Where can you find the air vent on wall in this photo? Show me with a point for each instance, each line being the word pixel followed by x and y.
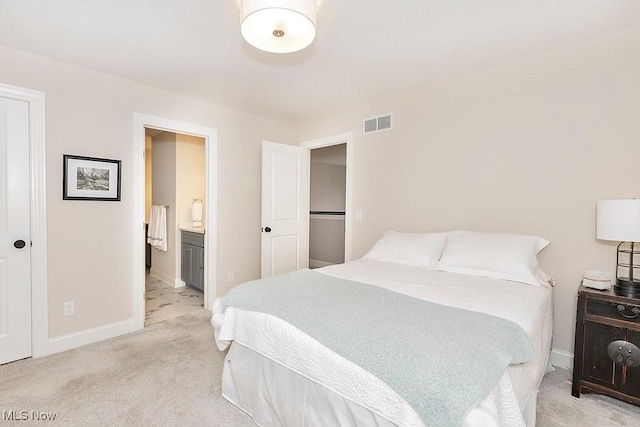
pixel 377 124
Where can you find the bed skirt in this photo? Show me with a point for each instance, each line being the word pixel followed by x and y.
pixel 274 395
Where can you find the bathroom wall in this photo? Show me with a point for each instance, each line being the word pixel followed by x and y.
pixel 163 192
pixel 190 176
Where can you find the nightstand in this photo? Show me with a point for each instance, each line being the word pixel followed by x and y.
pixel 607 347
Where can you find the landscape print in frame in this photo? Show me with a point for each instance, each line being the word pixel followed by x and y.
pixel 90 178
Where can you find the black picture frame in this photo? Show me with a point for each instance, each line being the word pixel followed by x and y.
pixel 90 178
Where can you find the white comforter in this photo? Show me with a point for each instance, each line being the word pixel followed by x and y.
pixel 528 306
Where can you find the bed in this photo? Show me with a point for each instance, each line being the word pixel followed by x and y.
pixel 285 373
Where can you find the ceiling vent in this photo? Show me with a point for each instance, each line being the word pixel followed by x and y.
pixel 378 124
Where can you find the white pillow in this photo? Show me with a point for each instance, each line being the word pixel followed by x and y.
pixel 416 249
pixel 511 257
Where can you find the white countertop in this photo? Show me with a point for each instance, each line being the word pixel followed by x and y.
pixel 193 229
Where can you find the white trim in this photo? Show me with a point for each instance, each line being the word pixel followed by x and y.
pixel 89 336
pixel 38 223
pixel 561 359
pixel 343 138
pixel 314 263
pixel 211 210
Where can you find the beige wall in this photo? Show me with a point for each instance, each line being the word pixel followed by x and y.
pixel 327 193
pixel 163 193
pixel 90 244
pixel 190 176
pixel 328 185
pixel 326 240
pixel 524 148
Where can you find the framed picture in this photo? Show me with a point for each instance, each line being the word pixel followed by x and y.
pixel 89 178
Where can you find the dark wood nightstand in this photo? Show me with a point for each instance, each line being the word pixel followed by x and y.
pixel 607 353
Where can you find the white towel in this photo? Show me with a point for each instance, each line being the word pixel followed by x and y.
pixel 196 213
pixel 157 234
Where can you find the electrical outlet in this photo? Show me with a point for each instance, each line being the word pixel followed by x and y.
pixel 230 276
pixel 69 308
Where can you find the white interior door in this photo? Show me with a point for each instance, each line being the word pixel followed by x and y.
pixel 15 240
pixel 285 208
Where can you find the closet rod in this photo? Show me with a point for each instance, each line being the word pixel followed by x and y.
pixel 326 212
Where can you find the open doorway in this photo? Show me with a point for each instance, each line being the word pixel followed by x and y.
pixel 330 198
pixel 208 255
pixel 327 205
pixel 175 178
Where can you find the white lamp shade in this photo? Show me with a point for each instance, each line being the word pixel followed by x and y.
pixel 279 26
pixel 618 220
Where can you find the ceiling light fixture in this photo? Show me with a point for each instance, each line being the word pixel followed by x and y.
pixel 279 26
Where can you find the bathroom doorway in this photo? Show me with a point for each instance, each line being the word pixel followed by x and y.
pixel 175 178
pixel 175 164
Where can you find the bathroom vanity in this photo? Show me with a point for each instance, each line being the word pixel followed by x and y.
pixel 192 249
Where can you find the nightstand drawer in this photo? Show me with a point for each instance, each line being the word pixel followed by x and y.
pixel 614 310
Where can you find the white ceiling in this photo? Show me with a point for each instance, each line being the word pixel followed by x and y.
pixel 365 49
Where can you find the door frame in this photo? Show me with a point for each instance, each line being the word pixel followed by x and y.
pixel 38 215
pixel 342 138
pixel 210 135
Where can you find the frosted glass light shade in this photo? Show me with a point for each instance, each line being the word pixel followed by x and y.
pixel 618 220
pixel 279 26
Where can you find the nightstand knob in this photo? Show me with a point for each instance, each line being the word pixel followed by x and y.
pixel 620 348
pixel 621 307
pixel 629 361
pixel 619 359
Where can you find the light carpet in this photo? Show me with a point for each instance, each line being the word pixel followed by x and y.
pixel 169 375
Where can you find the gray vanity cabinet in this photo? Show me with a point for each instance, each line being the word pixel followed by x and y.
pixel 193 259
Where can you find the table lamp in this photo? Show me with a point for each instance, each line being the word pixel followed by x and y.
pixel 619 220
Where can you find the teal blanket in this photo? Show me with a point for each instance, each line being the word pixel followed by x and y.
pixel 443 361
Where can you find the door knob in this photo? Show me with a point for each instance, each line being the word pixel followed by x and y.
pixel 19 244
pixel 267 230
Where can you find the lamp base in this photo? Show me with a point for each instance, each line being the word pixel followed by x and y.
pixel 627 288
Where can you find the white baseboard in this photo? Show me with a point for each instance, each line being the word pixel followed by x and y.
pixel 561 359
pixel 89 336
pixel 174 282
pixel 314 263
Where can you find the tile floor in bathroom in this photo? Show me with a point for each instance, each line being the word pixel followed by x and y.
pixel 165 302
